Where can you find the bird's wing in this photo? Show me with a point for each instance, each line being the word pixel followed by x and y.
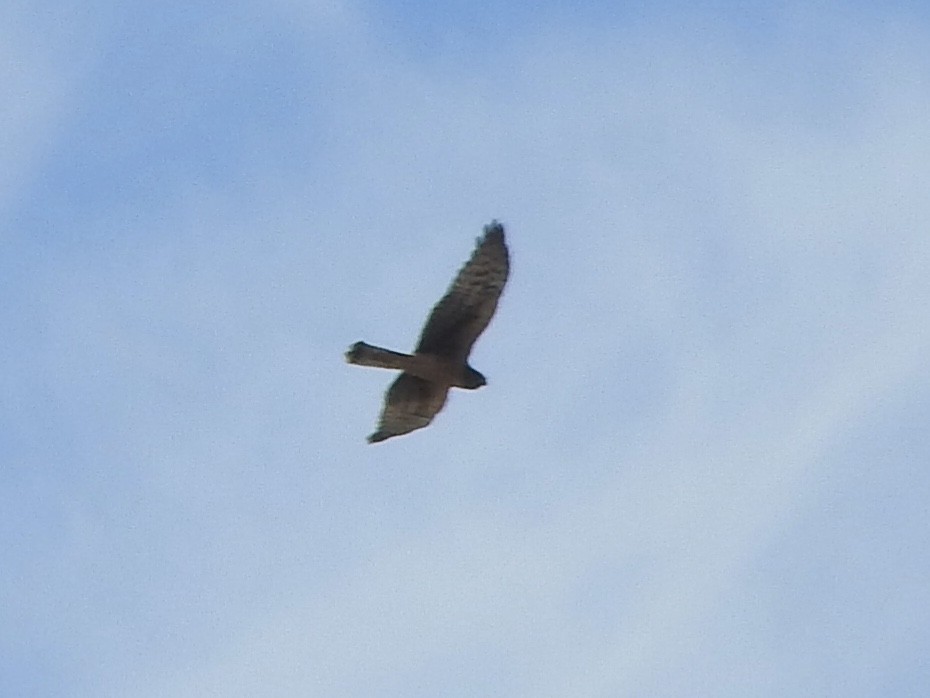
pixel 409 404
pixel 460 317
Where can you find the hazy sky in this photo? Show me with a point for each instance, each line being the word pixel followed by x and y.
pixel 701 466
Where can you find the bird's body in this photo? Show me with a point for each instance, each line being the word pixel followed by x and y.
pixel 429 367
pixel 440 360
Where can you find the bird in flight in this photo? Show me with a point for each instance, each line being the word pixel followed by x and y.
pixel 440 360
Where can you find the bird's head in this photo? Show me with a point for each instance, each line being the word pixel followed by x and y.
pixel 473 379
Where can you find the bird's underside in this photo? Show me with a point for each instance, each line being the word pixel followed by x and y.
pixel 440 360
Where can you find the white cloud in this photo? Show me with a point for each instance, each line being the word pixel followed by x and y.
pixel 42 64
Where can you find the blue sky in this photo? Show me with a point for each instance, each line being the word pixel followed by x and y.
pixel 700 464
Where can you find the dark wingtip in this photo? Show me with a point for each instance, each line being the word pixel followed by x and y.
pixel 494 229
pixel 378 436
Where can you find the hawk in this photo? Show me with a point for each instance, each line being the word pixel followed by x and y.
pixel 440 360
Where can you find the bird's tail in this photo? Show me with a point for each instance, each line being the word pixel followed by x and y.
pixel 368 355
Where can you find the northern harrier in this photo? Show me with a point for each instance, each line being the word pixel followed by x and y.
pixel 440 360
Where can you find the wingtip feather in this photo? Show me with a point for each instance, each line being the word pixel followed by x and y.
pixel 494 228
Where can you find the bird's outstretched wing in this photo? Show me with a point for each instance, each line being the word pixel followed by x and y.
pixel 409 404
pixel 460 317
